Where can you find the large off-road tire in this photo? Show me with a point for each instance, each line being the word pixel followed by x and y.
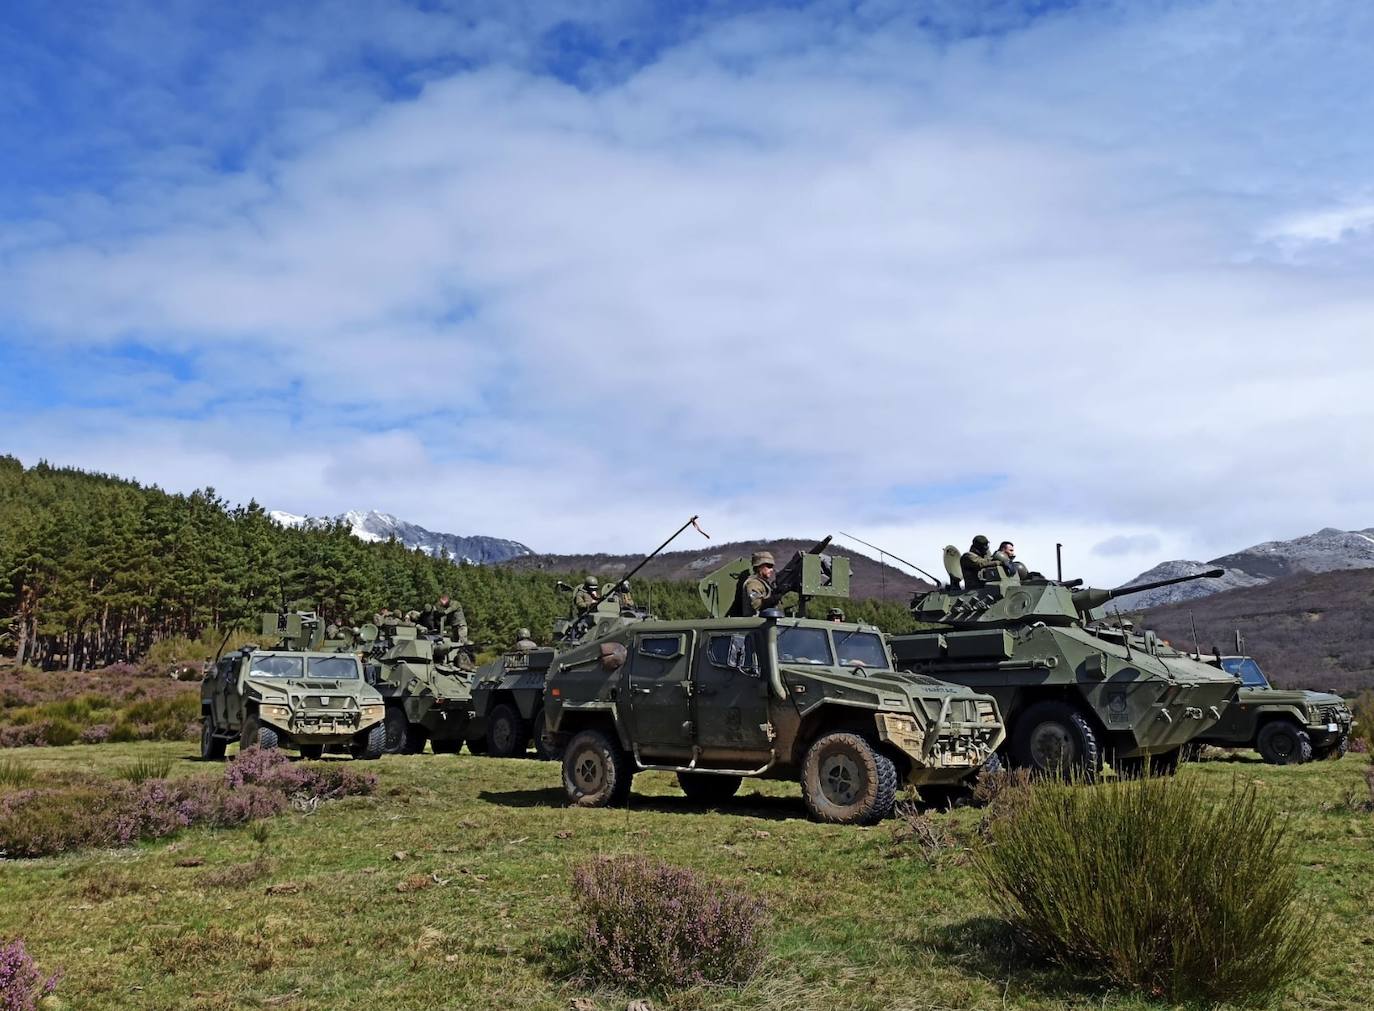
pixel 312 752
pixel 1055 739
pixel 708 788
pixel 846 780
pixel 544 748
pixel 211 747
pixel 368 744
pixel 256 734
pixel 1283 742
pixel 1332 751
pixel 395 725
pixel 596 770
pixel 508 733
pixel 446 746
pixel 1165 764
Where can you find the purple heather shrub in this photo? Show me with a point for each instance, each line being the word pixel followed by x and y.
pixel 271 768
pixel 22 985
pixel 651 924
pixel 98 733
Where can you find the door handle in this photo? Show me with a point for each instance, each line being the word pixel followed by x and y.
pixel 644 691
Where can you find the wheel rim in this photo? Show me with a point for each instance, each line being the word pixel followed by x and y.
pixel 502 735
pixel 841 780
pixel 1053 747
pixel 589 771
pixel 1283 745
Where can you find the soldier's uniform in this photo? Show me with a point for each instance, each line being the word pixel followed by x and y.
pixel 755 591
pixel 1010 567
pixel 450 619
pixel 974 560
pixel 586 596
pixel 523 642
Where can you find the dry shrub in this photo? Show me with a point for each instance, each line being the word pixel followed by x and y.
pixel 649 924
pixel 112 886
pixel 237 875
pixel 918 828
pixel 1152 885
pixel 22 984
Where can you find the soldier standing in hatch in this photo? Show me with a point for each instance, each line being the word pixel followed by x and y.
pixel 523 642
pixel 834 614
pixel 1006 557
pixel 757 591
pixel 974 560
pixel 587 596
pixel 451 619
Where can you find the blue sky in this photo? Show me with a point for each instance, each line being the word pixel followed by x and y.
pixel 1085 272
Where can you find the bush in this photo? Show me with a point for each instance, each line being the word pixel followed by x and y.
pixel 13 773
pixel 22 985
pixel 1148 884
pixel 144 769
pixel 653 925
pixel 271 768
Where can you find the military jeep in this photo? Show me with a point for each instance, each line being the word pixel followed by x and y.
pixel 280 697
pixel 1285 727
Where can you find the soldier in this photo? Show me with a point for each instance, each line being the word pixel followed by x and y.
pixel 382 617
pixel 974 560
pixel 450 619
pixel 523 642
pixel 757 591
pixel 621 595
pixel 1006 557
pixel 834 614
pixel 588 595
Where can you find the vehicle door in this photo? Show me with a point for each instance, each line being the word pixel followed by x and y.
pixel 731 692
pixel 660 702
pixel 227 699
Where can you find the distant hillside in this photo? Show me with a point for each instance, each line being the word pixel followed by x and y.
pixel 1306 631
pixel 870 578
pixel 374 526
pixel 1327 550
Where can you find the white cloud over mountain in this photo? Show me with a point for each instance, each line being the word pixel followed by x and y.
pixel 794 271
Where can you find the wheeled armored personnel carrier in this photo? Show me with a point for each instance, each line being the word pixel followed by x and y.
pixel 284 696
pixel 1287 727
pixel 1073 693
pixel 427 692
pixel 719 699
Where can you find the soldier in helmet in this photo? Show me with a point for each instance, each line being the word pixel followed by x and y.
pixel 523 642
pixel 450 620
pixel 757 591
pixel 834 614
pixel 974 560
pixel 621 595
pixel 588 595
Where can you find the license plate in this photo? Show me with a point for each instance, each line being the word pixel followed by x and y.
pixel 1332 727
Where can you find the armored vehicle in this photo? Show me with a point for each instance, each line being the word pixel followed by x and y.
pixel 1072 692
pixel 508 692
pixel 719 699
pixel 1287 727
pixel 285 696
pixel 427 692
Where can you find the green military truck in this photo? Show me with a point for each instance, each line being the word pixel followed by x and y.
pixel 283 697
pixel 1074 692
pixel 1287 727
pixel 719 699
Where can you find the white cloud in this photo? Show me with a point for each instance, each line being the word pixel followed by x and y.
pixel 771 277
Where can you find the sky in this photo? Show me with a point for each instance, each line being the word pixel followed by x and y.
pixel 1096 273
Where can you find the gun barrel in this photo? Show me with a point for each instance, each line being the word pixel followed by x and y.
pixel 1090 597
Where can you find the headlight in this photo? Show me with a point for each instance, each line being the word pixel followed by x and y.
pixel 373 712
pixel 282 713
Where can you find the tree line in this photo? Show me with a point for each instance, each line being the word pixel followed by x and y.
pixel 95 569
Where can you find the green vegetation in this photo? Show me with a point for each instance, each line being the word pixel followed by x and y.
pixel 1154 884
pixel 57 708
pixel 451 886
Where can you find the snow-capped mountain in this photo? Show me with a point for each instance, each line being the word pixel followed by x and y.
pixel 1325 551
pixel 378 526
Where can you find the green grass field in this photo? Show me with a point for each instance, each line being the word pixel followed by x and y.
pixel 450 889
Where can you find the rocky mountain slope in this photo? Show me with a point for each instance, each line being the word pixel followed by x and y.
pixel 379 526
pixel 1327 550
pixel 870 579
pixel 1310 630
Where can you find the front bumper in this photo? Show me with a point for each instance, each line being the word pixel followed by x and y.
pixel 322 726
pixel 950 749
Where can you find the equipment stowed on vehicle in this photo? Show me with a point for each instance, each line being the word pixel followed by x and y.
pixel 1073 690
pixel 291 695
pixel 720 699
pixel 427 692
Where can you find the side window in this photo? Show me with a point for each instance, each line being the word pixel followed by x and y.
pixel 718 652
pixel 664 647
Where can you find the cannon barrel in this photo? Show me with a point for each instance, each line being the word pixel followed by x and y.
pixel 1090 597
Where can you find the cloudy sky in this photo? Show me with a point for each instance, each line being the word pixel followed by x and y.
pixel 1093 272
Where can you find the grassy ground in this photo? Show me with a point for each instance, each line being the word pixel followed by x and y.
pixel 449 889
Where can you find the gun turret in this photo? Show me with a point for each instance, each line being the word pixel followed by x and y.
pixel 1088 598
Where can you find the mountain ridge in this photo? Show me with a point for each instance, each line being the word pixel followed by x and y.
pixel 372 525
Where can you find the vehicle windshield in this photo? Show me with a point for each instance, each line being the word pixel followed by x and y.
pixel 276 665
pixel 1248 671
pixel 860 649
pixel 336 667
pixel 805 645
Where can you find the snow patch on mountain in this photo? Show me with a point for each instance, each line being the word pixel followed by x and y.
pixel 1327 550
pixel 374 526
